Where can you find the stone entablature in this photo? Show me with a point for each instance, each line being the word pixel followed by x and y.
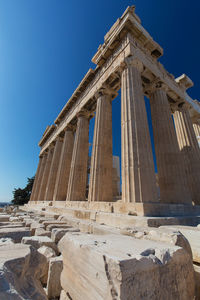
pixel 126 60
pixel 126 38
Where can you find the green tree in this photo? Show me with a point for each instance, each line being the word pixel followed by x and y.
pixel 22 196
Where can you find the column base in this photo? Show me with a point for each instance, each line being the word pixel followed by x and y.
pixel 120 215
pixel 119 207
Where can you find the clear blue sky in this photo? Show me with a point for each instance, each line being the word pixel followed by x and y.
pixel 46 48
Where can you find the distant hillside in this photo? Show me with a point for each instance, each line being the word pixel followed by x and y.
pixel 2 204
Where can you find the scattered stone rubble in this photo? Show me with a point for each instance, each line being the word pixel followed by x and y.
pixel 87 260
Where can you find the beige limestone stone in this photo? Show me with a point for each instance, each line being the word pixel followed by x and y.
pixel 197 280
pixel 189 148
pixel 42 232
pixel 117 268
pixel 16 234
pixel 171 176
pixel 53 170
pixel 45 175
pixel 58 233
pixel 47 252
pixel 4 218
pixel 63 295
pixel 21 268
pixel 61 225
pixel 41 220
pixel 101 179
pixel 53 282
pixel 138 175
pixel 165 235
pixel 6 241
pixel 60 191
pixel 78 172
pixel 12 225
pixel 13 219
pixel 193 237
pixel 46 223
pixel 35 225
pixel 39 241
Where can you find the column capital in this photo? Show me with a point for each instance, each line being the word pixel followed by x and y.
pixel 181 107
pixel 105 90
pixel 70 127
pixel 51 146
pixel 59 138
pixel 83 113
pixel 133 62
pixel 156 85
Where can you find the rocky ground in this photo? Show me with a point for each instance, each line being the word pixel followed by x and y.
pixel 51 256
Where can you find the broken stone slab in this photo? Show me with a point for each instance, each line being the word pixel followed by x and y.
pixel 46 223
pixel 12 225
pixel 192 234
pixel 6 241
pixel 197 280
pixel 122 267
pixel 58 233
pixel 42 232
pixel 21 267
pixel 70 221
pixel 14 219
pixel 43 219
pixel 28 222
pixel 34 226
pixel 63 295
pixel 15 233
pixel 52 226
pixel 4 218
pixel 39 241
pixel 53 282
pixel 48 254
pixel 166 235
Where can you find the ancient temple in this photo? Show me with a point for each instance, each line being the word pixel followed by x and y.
pixel 127 60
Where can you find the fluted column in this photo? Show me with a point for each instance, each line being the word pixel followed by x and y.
pixel 100 188
pixel 189 148
pixel 45 174
pixel 197 132
pixel 37 175
pixel 171 175
pixel 138 175
pixel 53 170
pixel 78 171
pixel 37 190
pixel 60 191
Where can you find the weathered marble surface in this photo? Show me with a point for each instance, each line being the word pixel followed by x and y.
pixel 21 268
pixel 53 282
pixel 124 268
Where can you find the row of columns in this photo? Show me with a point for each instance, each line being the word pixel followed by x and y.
pixel 62 171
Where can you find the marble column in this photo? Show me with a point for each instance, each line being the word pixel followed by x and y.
pixel 197 131
pixel 100 187
pixel 45 175
pixel 53 170
pixel 171 175
pixel 60 191
pixel 32 198
pixel 189 148
pixel 78 171
pixel 37 190
pixel 138 175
